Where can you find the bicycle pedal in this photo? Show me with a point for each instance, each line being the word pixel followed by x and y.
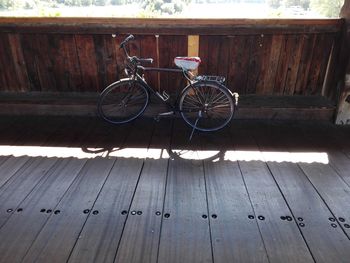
pixel 163 96
pixel 166 96
pixel 168 113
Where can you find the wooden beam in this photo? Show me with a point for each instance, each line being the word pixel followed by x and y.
pixel 169 26
pixel 250 106
pixel 343 114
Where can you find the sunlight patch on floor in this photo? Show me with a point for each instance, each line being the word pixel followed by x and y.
pixel 292 157
pixel 154 153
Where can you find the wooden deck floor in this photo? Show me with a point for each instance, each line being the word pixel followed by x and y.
pixel 79 190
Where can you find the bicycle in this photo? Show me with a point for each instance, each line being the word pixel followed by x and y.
pixel 205 104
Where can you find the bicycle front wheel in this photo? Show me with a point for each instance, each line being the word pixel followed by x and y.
pixel 206 106
pixel 123 101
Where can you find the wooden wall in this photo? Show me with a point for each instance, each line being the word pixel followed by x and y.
pixel 267 57
pixel 278 64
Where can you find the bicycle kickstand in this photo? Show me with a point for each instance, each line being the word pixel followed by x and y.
pixel 195 125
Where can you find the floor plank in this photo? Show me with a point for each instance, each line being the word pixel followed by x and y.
pixel 99 244
pixel 9 166
pixel 204 194
pixel 236 238
pixel 47 194
pixel 330 185
pixel 15 128
pixel 59 234
pixel 140 240
pixel 185 234
pixel 308 209
pixel 269 205
pixel 21 184
pixel 330 139
pixel 22 228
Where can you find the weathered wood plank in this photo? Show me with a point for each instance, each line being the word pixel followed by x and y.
pixel 23 227
pixel 57 64
pixel 9 167
pixel 149 50
pixel 8 67
pixel 239 50
pixel 282 69
pixel 59 234
pixel 255 62
pixel 8 129
pixel 328 182
pixel 106 49
pixel 30 54
pixel 325 62
pixel 21 184
pixel 88 63
pixel 100 244
pixel 203 54
pixel 308 209
pixel 217 56
pixel 331 187
pixel 337 146
pixel 269 205
pixel 316 65
pixel 19 62
pixel 98 241
pixel 185 234
pixel 169 26
pixel 330 82
pixel 235 237
pixel 3 81
pixel 268 64
pixel 45 65
pixel 343 68
pixel 169 48
pixel 295 48
pixel 36 132
pixel 72 136
pixel 140 240
pixel 309 42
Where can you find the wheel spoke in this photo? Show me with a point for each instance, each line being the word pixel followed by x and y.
pixel 213 101
pixel 123 102
pixel 192 102
pixel 222 97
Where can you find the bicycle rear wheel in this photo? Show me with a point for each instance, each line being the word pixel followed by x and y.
pixel 206 106
pixel 123 101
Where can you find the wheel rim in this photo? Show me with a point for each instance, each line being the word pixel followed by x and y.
pixel 207 107
pixel 123 102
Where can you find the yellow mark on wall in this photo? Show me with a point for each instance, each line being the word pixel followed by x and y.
pixel 193 48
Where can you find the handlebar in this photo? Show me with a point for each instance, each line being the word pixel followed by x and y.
pixel 133 59
pixel 126 40
pixel 145 60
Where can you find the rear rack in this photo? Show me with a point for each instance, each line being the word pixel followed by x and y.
pixel 219 79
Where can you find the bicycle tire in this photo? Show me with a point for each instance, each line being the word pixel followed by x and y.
pixel 206 106
pixel 123 101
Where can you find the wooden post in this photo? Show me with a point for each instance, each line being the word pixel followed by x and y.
pixel 193 48
pixel 343 115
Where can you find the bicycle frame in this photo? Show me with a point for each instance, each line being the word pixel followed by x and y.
pixel 133 64
pixel 137 76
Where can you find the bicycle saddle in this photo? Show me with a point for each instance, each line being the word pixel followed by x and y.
pixel 187 63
